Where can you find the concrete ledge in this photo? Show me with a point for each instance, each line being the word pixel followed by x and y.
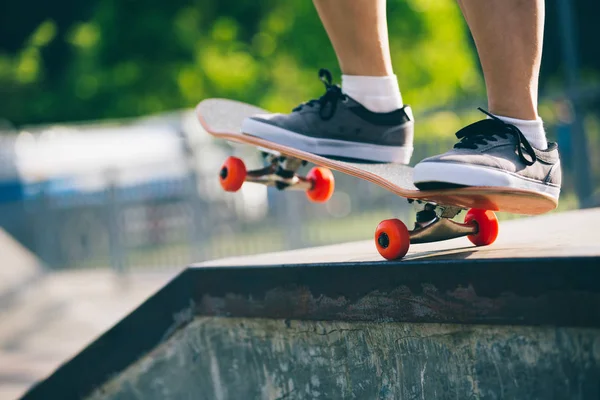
pixel 547 304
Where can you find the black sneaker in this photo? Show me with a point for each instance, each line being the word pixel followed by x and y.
pixel 337 126
pixel 492 152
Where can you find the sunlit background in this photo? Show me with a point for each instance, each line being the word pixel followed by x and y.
pixel 105 171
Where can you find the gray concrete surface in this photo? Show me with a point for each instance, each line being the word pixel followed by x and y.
pixel 231 358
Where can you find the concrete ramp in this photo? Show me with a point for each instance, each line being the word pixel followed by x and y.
pixel 237 358
pixel 520 319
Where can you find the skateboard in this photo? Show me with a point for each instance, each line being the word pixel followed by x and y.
pixel 223 118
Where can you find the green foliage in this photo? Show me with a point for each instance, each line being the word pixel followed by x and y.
pixel 132 58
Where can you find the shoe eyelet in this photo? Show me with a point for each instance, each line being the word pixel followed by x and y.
pixel 345 99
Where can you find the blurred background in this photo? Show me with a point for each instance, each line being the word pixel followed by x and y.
pixel 108 186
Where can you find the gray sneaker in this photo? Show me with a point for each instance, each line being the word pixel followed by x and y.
pixel 337 126
pixel 492 153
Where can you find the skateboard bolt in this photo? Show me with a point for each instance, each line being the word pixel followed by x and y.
pixel 223 173
pixel 383 240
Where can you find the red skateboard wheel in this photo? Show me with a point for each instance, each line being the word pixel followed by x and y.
pixel 323 184
pixel 233 174
pixel 487 223
pixel 392 239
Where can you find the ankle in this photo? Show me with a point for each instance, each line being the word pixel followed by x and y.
pixel 532 129
pixel 526 111
pixel 376 93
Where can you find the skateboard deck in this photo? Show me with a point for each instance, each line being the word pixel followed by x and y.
pixel 223 118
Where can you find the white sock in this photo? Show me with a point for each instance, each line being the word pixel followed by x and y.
pixel 379 94
pixel 533 130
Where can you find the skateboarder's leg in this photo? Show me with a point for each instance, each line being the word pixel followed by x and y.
pixel 365 119
pixel 360 51
pixel 508 149
pixel 358 32
pixel 509 35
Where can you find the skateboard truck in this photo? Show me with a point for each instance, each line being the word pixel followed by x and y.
pixel 434 223
pixel 431 227
pixel 281 173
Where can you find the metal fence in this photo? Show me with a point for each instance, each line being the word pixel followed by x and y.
pixel 176 225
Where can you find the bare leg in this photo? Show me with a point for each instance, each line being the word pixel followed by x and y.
pixel 508 35
pixel 365 118
pixel 358 31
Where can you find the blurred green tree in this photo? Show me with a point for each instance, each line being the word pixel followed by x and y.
pixel 128 58
pixel 106 59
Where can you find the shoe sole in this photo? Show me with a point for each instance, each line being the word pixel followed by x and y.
pixel 476 175
pixel 327 147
